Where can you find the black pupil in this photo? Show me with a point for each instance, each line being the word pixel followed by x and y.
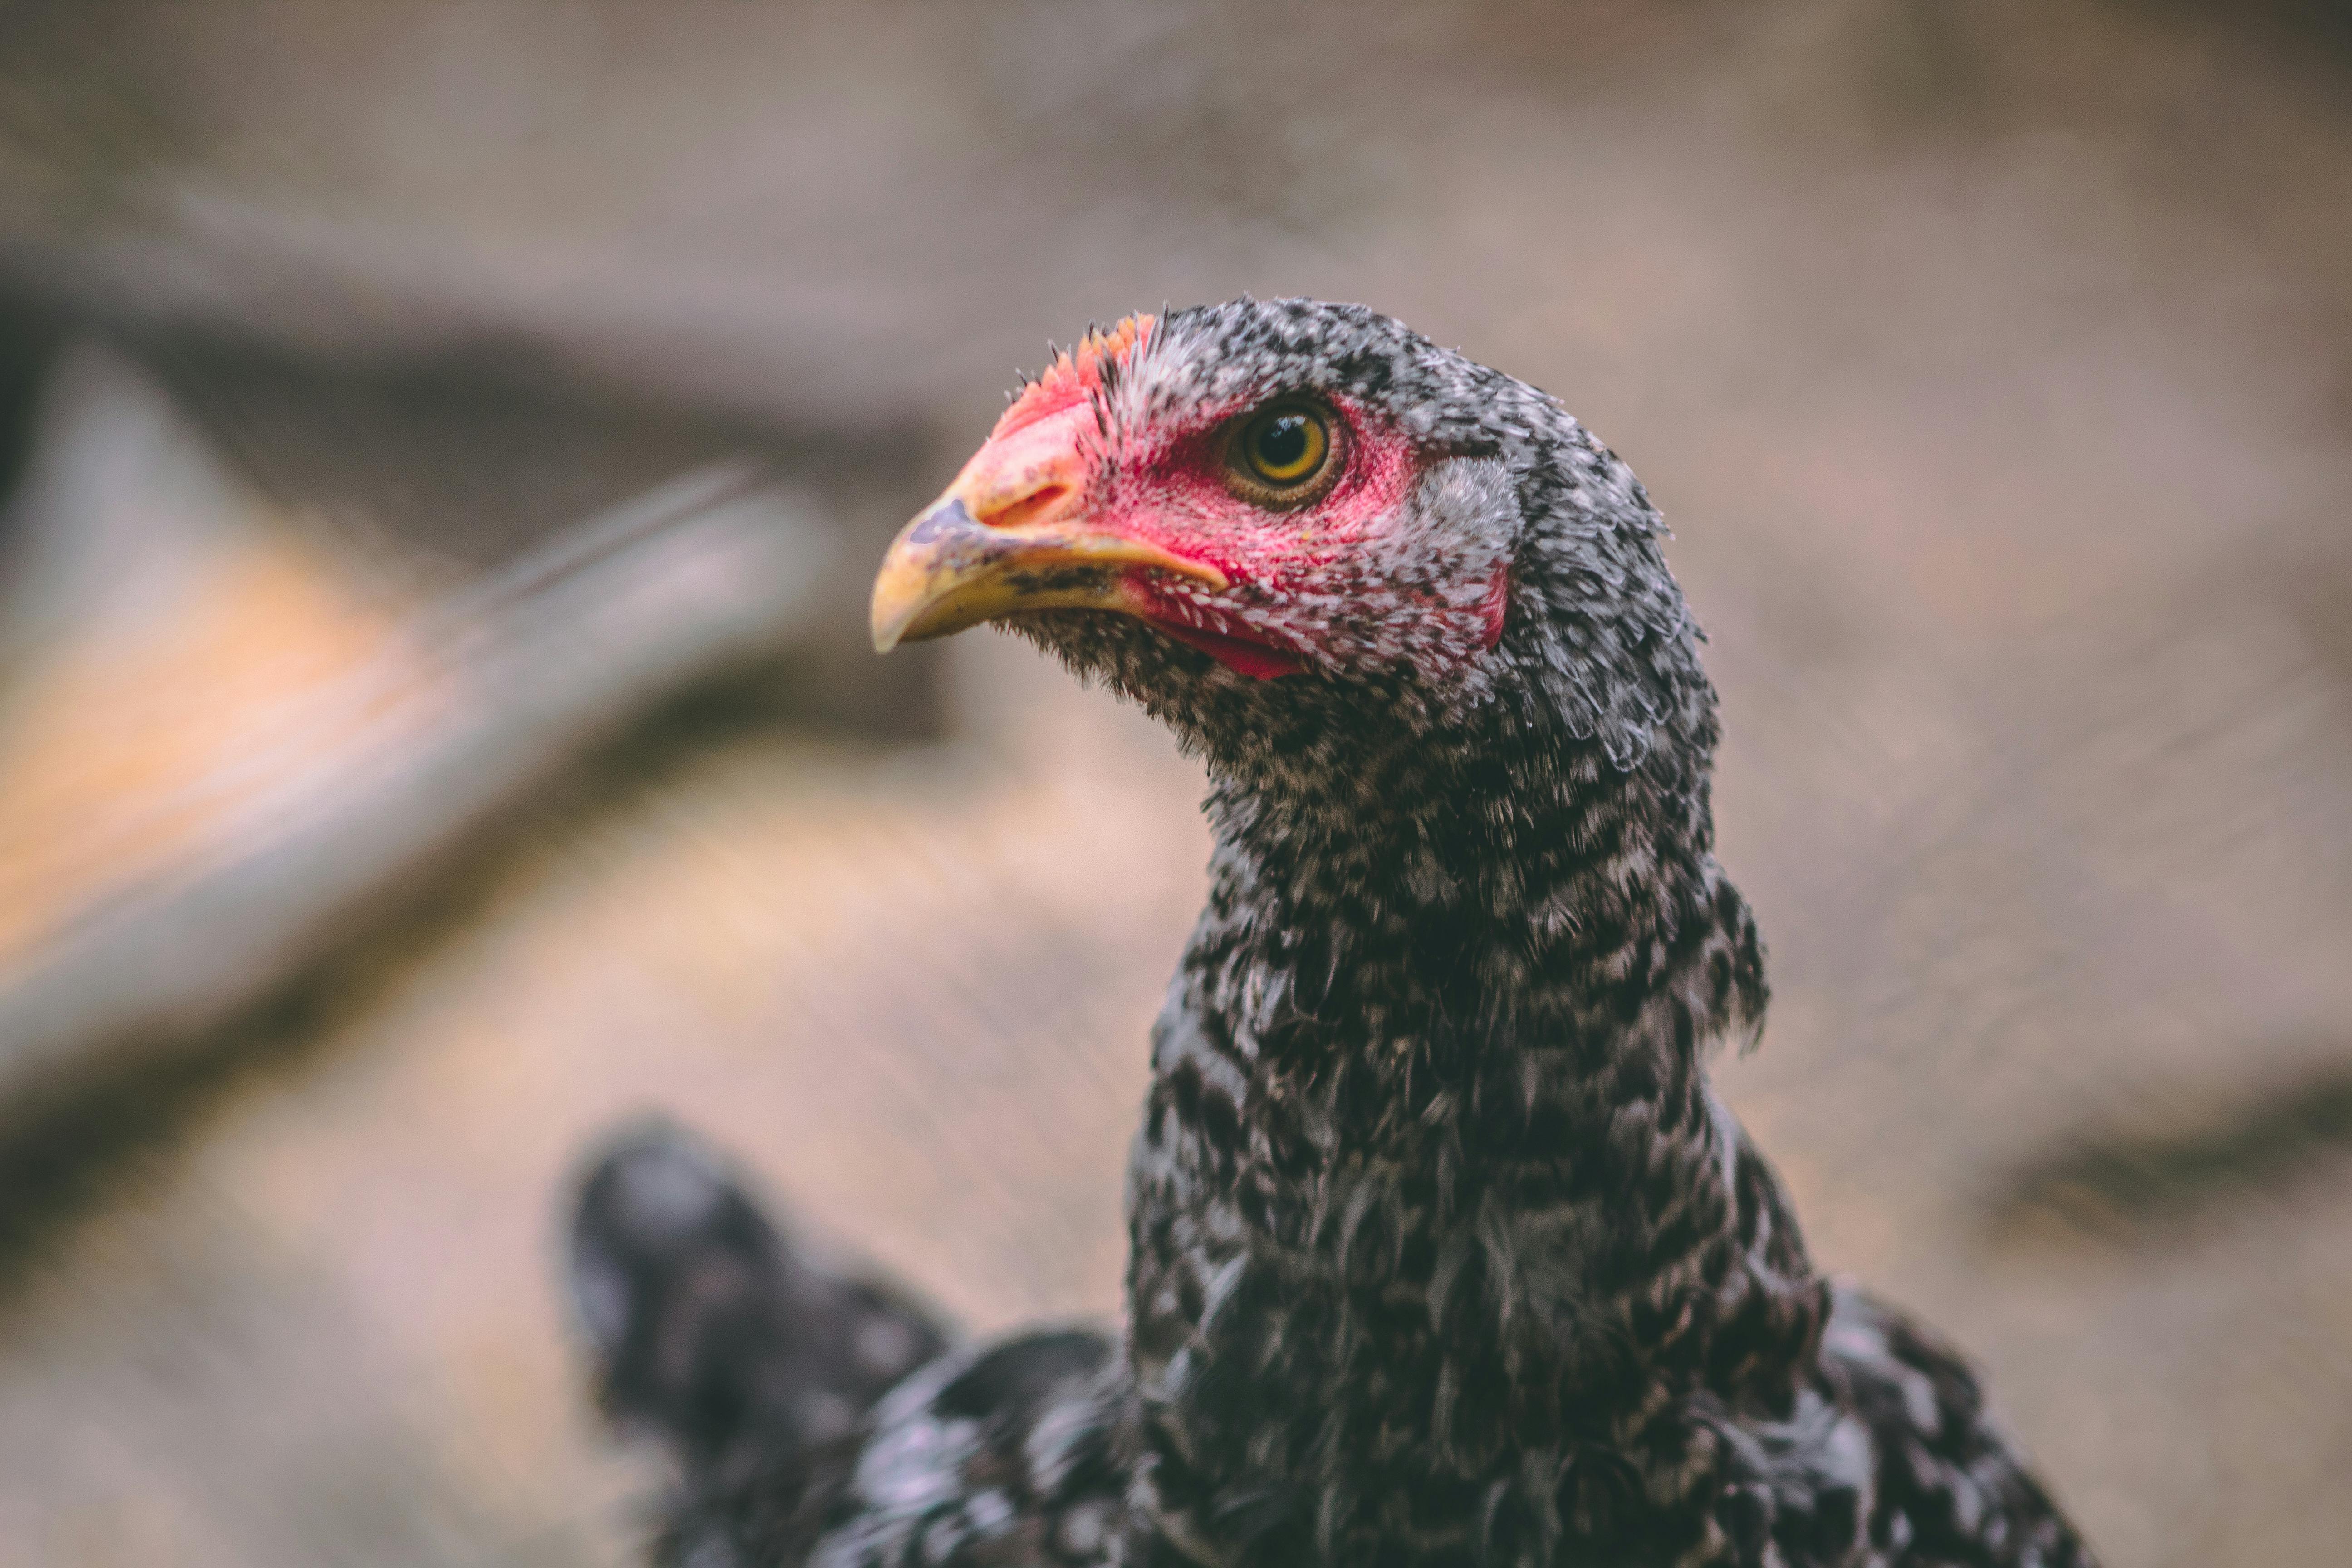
pixel 1283 442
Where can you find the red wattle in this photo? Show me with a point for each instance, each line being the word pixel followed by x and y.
pixel 1255 659
pixel 1497 605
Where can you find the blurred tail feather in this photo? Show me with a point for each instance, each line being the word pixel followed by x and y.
pixel 709 1328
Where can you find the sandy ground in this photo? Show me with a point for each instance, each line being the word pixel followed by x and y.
pixel 1990 366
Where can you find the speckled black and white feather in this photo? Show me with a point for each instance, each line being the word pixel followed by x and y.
pixel 1443 1249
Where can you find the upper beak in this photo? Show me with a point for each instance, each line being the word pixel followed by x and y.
pixel 1007 536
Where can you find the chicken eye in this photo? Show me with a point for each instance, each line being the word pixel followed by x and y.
pixel 1285 450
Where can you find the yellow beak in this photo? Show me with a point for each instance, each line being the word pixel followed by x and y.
pixel 1007 537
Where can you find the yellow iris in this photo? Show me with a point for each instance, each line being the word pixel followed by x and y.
pixel 1286 448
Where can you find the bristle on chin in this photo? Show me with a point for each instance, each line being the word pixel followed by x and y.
pixel 1075 373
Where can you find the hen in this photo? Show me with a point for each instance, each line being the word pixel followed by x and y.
pixel 1443 1251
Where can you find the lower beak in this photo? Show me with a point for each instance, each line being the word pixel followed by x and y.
pixel 948 570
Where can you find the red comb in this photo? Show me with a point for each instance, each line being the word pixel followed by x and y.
pixel 1076 372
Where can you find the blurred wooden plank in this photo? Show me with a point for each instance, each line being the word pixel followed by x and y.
pixel 482 698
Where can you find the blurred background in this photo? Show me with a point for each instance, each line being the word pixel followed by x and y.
pixel 444 448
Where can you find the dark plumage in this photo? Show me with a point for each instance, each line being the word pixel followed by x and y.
pixel 709 1329
pixel 1444 1250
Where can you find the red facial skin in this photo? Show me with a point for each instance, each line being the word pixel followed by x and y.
pixel 1172 486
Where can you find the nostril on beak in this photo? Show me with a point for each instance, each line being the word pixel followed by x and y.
pixel 1037 503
